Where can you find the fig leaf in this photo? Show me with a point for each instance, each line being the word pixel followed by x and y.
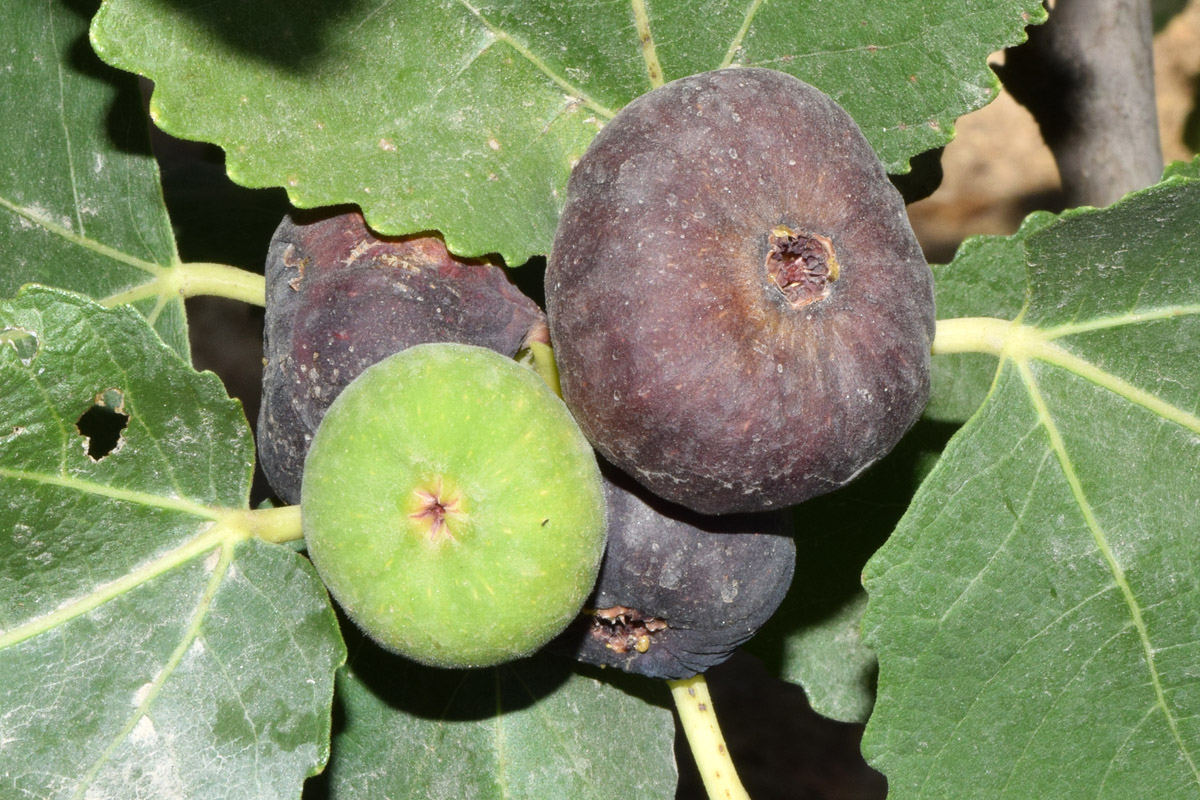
pixel 532 729
pixel 467 117
pixel 1040 591
pixel 985 279
pixel 150 645
pixel 80 203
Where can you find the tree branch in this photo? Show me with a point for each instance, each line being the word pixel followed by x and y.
pixel 1087 76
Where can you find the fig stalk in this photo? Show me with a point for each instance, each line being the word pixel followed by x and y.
pixel 698 718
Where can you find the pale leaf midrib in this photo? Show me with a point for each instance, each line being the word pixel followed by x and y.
pixel 102 594
pixel 564 84
pixel 1119 320
pixel 66 128
pixel 740 36
pixel 1058 445
pixel 133 496
pixel 168 669
pixel 1060 357
pixel 1021 342
pixel 82 241
pixel 641 21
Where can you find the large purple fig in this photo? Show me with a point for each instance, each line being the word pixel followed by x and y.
pixel 740 312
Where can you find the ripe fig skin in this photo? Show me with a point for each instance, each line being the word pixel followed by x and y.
pixel 695 586
pixel 683 362
pixel 341 298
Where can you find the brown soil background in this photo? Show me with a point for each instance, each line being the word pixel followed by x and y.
pixel 996 171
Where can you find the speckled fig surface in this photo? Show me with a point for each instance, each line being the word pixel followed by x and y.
pixel 453 507
pixel 740 311
pixel 679 591
pixel 340 298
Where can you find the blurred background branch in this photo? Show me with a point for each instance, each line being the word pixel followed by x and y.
pixel 1087 76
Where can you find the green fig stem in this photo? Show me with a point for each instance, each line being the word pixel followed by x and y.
pixel 973 335
pixel 699 721
pixel 276 525
pixel 221 280
pixel 543 364
pixel 194 279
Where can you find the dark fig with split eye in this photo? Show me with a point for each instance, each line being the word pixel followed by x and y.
pixel 741 314
pixel 340 298
pixel 678 591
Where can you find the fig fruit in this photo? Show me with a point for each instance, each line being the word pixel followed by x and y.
pixel 678 591
pixel 340 298
pixel 452 506
pixel 740 311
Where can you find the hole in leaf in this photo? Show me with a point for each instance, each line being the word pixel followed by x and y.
pixel 102 424
pixel 23 342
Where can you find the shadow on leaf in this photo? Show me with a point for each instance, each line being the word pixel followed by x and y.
pixel 294 37
pixel 835 535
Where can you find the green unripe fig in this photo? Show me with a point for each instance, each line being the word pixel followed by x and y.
pixel 453 507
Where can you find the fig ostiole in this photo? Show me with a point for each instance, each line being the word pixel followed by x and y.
pixel 452 506
pixel 679 591
pixel 740 311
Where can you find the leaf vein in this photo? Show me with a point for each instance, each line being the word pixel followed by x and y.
pixel 1125 746
pixel 1101 539
pixel 538 63
pixel 1060 357
pixel 641 21
pixel 738 38
pixel 102 594
pixel 173 661
pixel 66 128
pixel 1013 530
pixel 999 670
pixel 1075 676
pixel 134 496
pixel 80 240
pixel 1120 320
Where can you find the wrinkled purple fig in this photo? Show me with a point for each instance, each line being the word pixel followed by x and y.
pixel 340 298
pixel 740 312
pixel 678 591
